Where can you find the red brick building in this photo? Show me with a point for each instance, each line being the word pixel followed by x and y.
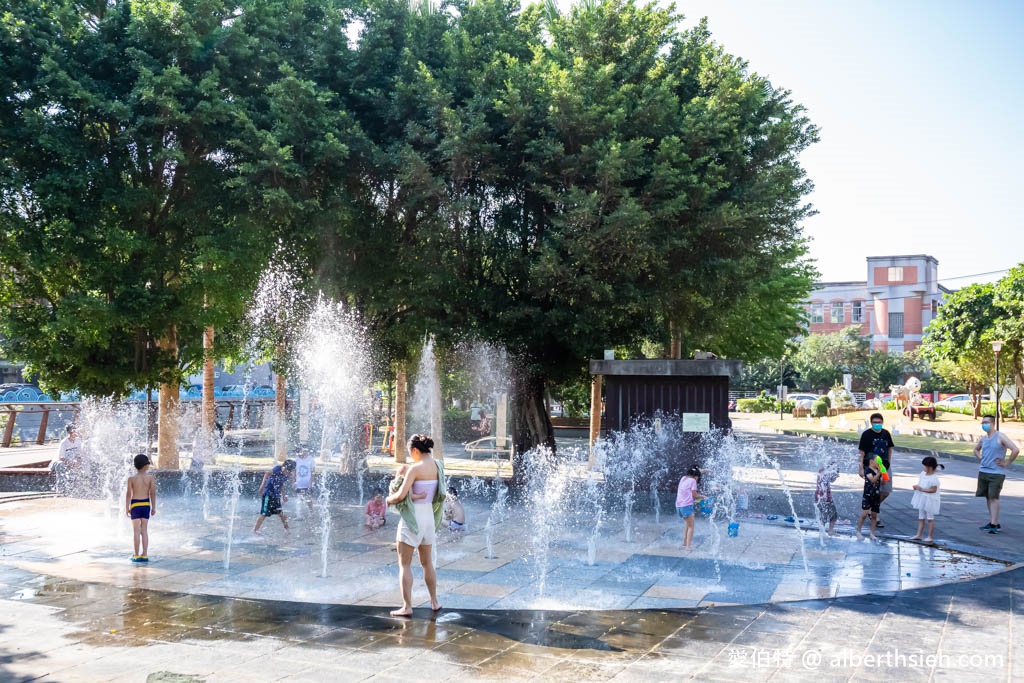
pixel 893 306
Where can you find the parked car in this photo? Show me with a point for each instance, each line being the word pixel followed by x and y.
pixel 556 410
pixel 802 397
pixel 956 401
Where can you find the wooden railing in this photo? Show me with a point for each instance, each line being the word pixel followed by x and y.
pixel 13 410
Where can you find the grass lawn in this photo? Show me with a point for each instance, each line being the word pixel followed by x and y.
pixel 854 423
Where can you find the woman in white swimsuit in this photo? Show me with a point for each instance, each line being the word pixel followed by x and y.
pixel 420 486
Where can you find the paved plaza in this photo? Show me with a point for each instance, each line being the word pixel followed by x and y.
pixel 73 608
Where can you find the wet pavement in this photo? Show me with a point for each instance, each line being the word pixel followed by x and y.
pixel 65 630
pixel 122 629
pixel 766 561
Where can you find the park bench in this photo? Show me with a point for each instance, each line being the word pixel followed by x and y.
pixel 488 446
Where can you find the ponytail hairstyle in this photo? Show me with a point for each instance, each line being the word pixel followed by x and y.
pixel 421 442
pixel 930 461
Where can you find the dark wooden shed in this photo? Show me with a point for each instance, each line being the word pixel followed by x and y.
pixel 638 389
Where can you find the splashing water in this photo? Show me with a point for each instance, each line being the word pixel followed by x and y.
pixel 234 490
pixel 324 508
pixel 495 515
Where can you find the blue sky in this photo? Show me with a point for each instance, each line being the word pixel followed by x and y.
pixel 920 107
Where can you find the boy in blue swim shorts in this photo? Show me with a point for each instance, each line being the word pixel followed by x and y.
pixel 140 505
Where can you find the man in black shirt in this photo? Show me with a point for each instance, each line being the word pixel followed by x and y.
pixel 876 442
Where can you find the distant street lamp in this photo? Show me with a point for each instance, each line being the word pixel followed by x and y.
pixel 997 347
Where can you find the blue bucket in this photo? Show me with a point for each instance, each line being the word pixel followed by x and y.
pixel 734 529
pixel 707 505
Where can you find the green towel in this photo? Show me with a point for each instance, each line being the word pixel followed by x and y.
pixel 404 506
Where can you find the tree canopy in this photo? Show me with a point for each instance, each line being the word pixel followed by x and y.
pixel 553 183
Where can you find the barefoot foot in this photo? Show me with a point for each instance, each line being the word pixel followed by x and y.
pixel 436 606
pixel 401 612
pixel 929 540
pixel 916 538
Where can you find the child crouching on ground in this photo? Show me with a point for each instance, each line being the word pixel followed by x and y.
pixel 375 511
pixel 454 513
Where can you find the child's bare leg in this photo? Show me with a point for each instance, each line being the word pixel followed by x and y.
pixel 832 528
pixel 920 530
pixel 931 530
pixel 860 523
pixel 144 533
pixel 284 520
pixel 874 523
pixel 259 523
pixel 136 535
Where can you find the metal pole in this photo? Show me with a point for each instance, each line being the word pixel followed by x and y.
pixel 149 421
pixel 997 391
pixel 780 382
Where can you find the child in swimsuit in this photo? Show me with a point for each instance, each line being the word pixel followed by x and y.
pixel 140 505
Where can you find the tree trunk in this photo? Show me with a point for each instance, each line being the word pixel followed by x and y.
pixel 401 386
pixel 280 418
pixel 675 350
pixel 595 416
pixel 167 416
pixel 209 417
pixel 531 425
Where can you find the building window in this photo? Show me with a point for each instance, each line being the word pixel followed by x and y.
pixel 896 274
pixel 935 308
pixel 895 326
pixel 817 313
pixel 836 314
pixel 857 312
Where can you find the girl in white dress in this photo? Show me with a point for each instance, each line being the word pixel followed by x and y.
pixel 926 498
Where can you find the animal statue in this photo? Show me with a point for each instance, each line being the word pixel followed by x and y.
pixel 900 394
pixel 908 394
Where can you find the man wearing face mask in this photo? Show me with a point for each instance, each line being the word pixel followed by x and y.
pixel 991 449
pixel 876 442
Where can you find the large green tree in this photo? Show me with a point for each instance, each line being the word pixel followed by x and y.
pixel 823 359
pixel 554 183
pixel 120 234
pixel 958 341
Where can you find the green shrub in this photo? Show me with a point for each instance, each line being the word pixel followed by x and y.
pixel 458 426
pixel 827 400
pixel 890 405
pixel 820 407
pixel 748 405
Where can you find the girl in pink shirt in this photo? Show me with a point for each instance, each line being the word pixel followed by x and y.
pixel 686 496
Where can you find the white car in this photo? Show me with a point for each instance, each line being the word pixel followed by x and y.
pixel 802 397
pixel 956 401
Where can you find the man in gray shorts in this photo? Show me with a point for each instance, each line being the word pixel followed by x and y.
pixel 991 449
